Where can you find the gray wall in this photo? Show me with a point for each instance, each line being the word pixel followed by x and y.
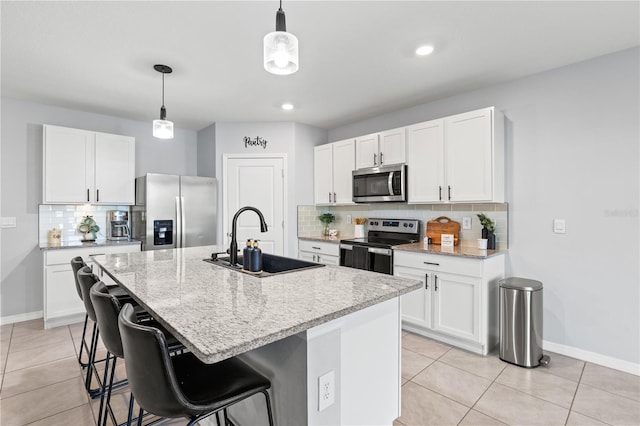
pixel 294 140
pixel 21 185
pixel 207 151
pixel 572 153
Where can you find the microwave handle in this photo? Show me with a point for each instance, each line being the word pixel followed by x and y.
pixel 390 183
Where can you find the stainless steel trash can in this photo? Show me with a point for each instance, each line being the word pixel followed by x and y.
pixel 521 322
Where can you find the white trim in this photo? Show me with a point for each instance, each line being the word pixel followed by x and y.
pixel 12 319
pixel 593 357
pixel 285 189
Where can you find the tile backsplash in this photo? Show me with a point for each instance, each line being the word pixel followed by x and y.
pixel 68 217
pixel 310 225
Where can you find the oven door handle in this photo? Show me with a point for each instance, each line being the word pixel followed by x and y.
pixel 382 251
pixel 346 247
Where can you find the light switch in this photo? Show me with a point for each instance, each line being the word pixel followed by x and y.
pixel 8 222
pixel 348 219
pixel 559 226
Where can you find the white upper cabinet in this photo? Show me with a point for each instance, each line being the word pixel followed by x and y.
pixel 80 166
pixel 115 169
pixel 393 146
pixel 425 165
pixel 379 149
pixel 367 151
pixel 470 162
pixel 333 164
pixel 457 159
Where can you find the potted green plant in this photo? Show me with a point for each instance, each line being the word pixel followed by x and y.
pixel 326 218
pixel 488 230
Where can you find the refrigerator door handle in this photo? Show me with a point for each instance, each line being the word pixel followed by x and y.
pixel 178 224
pixel 183 225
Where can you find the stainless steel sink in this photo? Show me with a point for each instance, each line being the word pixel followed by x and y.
pixel 271 265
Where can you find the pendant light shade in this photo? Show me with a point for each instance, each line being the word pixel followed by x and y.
pixel 163 128
pixel 281 48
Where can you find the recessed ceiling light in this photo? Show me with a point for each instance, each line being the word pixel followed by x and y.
pixel 287 107
pixel 424 50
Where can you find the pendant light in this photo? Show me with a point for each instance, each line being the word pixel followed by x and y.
pixel 163 129
pixel 280 48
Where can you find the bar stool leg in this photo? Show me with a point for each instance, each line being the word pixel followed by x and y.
pixel 83 343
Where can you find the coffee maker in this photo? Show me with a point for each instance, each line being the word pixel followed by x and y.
pixel 118 225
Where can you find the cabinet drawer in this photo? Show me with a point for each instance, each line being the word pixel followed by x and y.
pixel 64 256
pixel 439 263
pixel 332 249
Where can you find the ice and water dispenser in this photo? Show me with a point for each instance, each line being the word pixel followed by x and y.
pixel 163 232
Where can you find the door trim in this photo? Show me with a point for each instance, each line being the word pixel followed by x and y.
pixel 285 188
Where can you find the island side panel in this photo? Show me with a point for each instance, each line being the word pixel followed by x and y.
pixel 367 370
pixel 284 362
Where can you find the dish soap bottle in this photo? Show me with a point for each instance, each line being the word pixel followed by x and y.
pixel 247 255
pixel 256 260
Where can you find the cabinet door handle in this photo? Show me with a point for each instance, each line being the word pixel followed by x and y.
pixel 449 192
pixel 436 282
pixel 97 195
pixel 431 263
pixel 316 248
pixel 88 195
pixel 381 159
pixel 426 281
pixel 375 159
pixel 314 257
pixel 440 192
pixel 334 197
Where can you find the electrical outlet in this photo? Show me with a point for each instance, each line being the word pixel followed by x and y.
pixel 326 390
pixel 466 222
pixel 348 219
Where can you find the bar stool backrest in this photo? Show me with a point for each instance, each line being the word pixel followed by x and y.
pixel 149 368
pixel 76 264
pixel 107 308
pixel 86 280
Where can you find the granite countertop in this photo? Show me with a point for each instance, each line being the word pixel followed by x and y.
pixel 218 313
pixel 460 251
pixel 335 240
pixel 80 244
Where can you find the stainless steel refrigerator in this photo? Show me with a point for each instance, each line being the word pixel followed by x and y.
pixel 175 211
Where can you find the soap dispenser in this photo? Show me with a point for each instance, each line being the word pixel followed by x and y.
pixel 256 260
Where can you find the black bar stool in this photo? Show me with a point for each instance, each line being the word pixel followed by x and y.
pixel 107 307
pixel 182 385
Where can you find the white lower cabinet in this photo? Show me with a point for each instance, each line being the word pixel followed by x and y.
pixel 320 252
pixel 62 305
pixel 458 303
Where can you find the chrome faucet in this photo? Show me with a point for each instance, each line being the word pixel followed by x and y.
pixel 233 248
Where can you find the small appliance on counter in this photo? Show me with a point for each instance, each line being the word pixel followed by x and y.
pixel 118 225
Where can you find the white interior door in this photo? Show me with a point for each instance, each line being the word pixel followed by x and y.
pixel 257 182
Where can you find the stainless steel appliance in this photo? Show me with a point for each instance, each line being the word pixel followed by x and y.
pixel 175 211
pixel 380 184
pixel 118 225
pixel 375 251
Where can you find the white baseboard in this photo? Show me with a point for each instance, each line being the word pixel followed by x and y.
pixel 593 357
pixel 11 319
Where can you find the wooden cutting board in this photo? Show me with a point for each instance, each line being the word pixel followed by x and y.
pixel 443 225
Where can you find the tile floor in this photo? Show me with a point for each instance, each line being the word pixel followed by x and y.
pixel 42 384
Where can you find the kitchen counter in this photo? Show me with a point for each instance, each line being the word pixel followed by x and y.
pixel 323 238
pixel 461 251
pixel 293 327
pixel 80 244
pixel 218 313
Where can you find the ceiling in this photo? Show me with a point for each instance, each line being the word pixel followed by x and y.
pixel 356 57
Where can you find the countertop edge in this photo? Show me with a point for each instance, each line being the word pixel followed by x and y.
pixel 81 245
pixel 459 251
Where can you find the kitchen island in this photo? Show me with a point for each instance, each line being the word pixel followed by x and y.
pixel 293 327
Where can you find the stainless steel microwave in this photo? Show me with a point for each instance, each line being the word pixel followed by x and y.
pixel 380 184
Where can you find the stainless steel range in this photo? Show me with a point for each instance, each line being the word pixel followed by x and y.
pixel 375 252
